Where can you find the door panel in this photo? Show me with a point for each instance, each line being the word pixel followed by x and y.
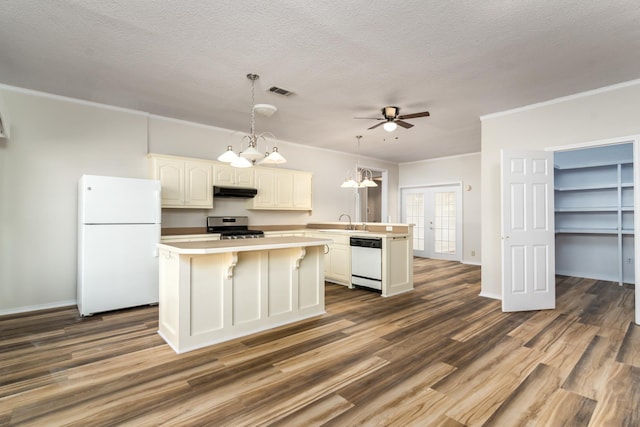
pixel 413 212
pixel 528 247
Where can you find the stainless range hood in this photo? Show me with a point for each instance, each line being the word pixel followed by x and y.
pixel 234 192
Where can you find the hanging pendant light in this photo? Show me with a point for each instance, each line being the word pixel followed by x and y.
pixel 249 156
pixel 364 177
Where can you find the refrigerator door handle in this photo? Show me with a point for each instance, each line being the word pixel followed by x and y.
pixel 158 205
pixel 156 251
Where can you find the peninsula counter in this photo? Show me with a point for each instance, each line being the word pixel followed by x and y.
pixel 215 291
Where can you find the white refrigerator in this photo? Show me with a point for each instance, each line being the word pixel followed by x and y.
pixel 118 233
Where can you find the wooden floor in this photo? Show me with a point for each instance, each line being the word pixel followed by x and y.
pixel 438 356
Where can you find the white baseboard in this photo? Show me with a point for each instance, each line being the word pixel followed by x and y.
pixel 479 264
pixel 4 312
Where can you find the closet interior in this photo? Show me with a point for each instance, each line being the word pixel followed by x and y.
pixel 594 210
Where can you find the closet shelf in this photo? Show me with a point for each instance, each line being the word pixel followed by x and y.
pixel 594 209
pixel 611 231
pixel 593 165
pixel 588 187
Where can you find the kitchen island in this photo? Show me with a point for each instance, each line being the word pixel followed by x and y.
pixel 217 290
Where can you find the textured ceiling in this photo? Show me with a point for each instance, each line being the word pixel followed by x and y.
pixel 342 59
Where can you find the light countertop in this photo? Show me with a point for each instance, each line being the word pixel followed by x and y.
pixel 241 245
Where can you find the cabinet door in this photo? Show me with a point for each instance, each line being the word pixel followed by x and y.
pixel 198 185
pixel 302 191
pixel 170 172
pixel 341 262
pixel 284 189
pixel 265 183
pixel 244 178
pixel 223 175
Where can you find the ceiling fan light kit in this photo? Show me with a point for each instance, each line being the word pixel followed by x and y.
pixel 391 118
pixel 390 126
pixel 251 155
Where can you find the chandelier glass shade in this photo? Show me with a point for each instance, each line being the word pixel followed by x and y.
pixel 251 155
pixel 364 177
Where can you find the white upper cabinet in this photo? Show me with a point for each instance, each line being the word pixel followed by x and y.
pixel 302 190
pixel 186 183
pixel 225 175
pixel 281 189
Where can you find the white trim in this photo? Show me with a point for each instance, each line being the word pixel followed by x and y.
pixel 490 295
pixel 636 219
pixel 596 143
pixel 479 264
pixel 29 308
pixel 436 159
pixel 195 124
pixel 561 99
pixel 72 100
pixel 439 184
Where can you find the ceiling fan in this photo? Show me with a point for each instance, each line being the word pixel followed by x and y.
pixel 392 118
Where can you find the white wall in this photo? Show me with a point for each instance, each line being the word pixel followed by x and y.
pixel 55 140
pixel 447 170
pixel 596 115
pixel 52 143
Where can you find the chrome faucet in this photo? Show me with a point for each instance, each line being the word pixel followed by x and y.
pixel 349 227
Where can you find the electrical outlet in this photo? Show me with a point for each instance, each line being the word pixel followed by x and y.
pixel 389 227
pixel 473 253
pixel 629 260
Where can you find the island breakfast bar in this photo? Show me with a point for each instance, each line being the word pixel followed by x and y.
pixel 214 291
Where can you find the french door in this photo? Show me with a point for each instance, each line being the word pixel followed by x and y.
pixel 436 213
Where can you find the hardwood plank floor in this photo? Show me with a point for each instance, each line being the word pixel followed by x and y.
pixel 438 356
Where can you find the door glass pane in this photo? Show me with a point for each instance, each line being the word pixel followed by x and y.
pixel 445 222
pixel 415 215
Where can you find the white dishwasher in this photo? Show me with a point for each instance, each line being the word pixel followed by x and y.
pixel 366 262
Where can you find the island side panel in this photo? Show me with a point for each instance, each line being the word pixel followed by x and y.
pixel 207 294
pixel 311 281
pixel 169 297
pixel 397 265
pixel 281 282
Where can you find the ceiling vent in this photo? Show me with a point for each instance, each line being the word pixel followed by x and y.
pixel 280 91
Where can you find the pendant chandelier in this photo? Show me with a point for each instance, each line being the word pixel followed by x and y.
pixel 364 177
pixel 251 155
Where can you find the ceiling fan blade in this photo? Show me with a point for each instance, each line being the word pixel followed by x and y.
pixel 375 126
pixel 369 118
pixel 403 124
pixel 414 115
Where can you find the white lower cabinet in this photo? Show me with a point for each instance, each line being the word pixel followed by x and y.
pixel 397 261
pixel 337 259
